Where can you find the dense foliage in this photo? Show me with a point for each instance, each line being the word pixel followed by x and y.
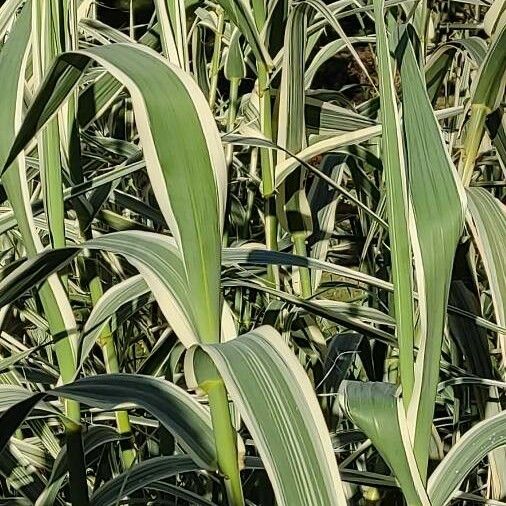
pixel 252 252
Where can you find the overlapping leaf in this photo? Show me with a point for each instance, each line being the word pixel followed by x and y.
pixel 275 398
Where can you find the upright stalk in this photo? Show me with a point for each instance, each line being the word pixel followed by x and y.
pixel 232 111
pixel 225 435
pixel 215 60
pixel 47 42
pixel 226 440
pixel 267 166
pixel 106 342
pixel 253 171
pixel 299 245
pixel 70 145
pixel 77 472
pixel 266 157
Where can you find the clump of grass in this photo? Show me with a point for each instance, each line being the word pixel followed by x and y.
pixel 252 252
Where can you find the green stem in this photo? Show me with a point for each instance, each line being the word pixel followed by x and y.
pixel 73 411
pixel 266 128
pixel 57 309
pixel 77 472
pixel 232 111
pixel 225 435
pixel 215 61
pixel 112 366
pixel 266 157
pixel 56 306
pixel 299 245
pixel 253 169
pixel 271 234
pixel 267 165
pixel 67 364
pixel 226 440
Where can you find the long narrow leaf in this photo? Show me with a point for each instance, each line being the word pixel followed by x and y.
pixel 438 202
pixel 187 168
pixel 274 396
pixel 395 174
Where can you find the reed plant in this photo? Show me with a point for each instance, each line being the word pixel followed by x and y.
pixel 252 253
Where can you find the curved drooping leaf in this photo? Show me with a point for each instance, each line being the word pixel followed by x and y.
pixel 274 396
pixel 154 255
pixel 176 410
pixel 348 315
pixel 99 95
pixel 285 168
pixel 158 260
pixel 469 450
pixel 35 270
pixel 439 61
pixel 259 256
pixel 105 34
pixel 325 12
pixel 327 52
pixel 182 149
pixel 160 266
pixel 140 476
pixel 130 290
pixel 377 410
pixel 14 394
pixel 179 412
pixel 95 437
